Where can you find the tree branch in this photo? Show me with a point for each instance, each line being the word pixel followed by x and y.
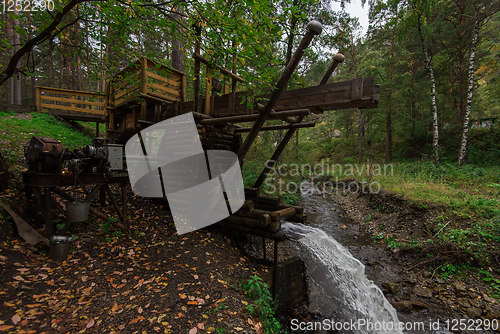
pixel 43 35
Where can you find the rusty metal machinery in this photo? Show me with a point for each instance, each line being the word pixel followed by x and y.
pixel 47 155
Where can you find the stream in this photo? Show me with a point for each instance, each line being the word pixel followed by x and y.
pixel 341 289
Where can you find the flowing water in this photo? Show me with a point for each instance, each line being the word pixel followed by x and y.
pixel 339 289
pixel 339 280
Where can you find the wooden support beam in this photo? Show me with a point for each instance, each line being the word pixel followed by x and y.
pixel 279 127
pixel 208 91
pixel 255 117
pixel 336 61
pixel 314 27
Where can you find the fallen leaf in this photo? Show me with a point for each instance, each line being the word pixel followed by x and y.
pixel 5 327
pixel 24 322
pixel 193 331
pixel 18 278
pixel 15 319
pixel 192 302
pixel 201 325
pixel 90 323
pixel 183 296
pixel 201 301
pixel 139 310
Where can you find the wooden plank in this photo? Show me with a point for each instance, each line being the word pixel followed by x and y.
pixel 279 127
pixel 175 83
pixel 55 106
pixel 163 97
pixel 125 92
pixel 27 232
pixel 125 100
pixel 357 89
pixel 61 99
pixel 171 71
pixel 80 117
pixel 69 92
pixel 164 89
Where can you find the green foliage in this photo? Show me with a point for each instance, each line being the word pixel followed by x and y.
pixel 262 304
pixel 494 283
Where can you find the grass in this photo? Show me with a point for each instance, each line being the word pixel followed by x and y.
pixel 17 129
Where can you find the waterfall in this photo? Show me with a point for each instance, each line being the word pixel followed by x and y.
pixel 339 288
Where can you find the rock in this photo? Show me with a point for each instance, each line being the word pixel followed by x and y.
pixel 427 274
pixel 419 305
pixel 343 227
pixel 391 287
pixel 405 305
pixel 460 289
pixel 474 312
pixel 492 314
pixel 412 280
pixel 440 281
pixel 489 299
pixel 466 304
pixel 26 287
pixel 422 291
pixel 396 250
pixel 475 302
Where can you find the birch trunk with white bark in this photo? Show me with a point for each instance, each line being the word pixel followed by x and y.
pixel 430 69
pixel 465 131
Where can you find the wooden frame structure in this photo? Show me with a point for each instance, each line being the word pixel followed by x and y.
pixel 145 93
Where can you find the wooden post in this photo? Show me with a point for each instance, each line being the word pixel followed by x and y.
pixel 183 89
pixel 39 99
pixel 47 213
pixel 97 129
pixel 208 91
pixel 314 28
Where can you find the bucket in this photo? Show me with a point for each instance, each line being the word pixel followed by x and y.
pixel 59 250
pixel 78 211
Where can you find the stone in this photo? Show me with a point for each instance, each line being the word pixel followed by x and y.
pixel 475 302
pixel 489 299
pixel 466 304
pixel 427 274
pixel 460 289
pixel 343 227
pixel 422 291
pixel 474 312
pixel 391 287
pixel 412 280
pixel 492 314
pixel 405 305
pixel 419 305
pixel 440 281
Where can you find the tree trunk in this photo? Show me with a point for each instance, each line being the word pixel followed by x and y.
pixel 428 65
pixel 32 78
pixel 360 136
pixel 17 46
pixel 177 54
pixel 10 52
pixel 89 88
pixel 470 92
pixel 388 130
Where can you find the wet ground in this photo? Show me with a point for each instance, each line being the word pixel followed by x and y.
pixel 421 297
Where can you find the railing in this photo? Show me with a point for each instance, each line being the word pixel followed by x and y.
pixel 147 79
pixel 69 100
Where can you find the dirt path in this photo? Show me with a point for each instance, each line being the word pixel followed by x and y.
pixel 160 282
